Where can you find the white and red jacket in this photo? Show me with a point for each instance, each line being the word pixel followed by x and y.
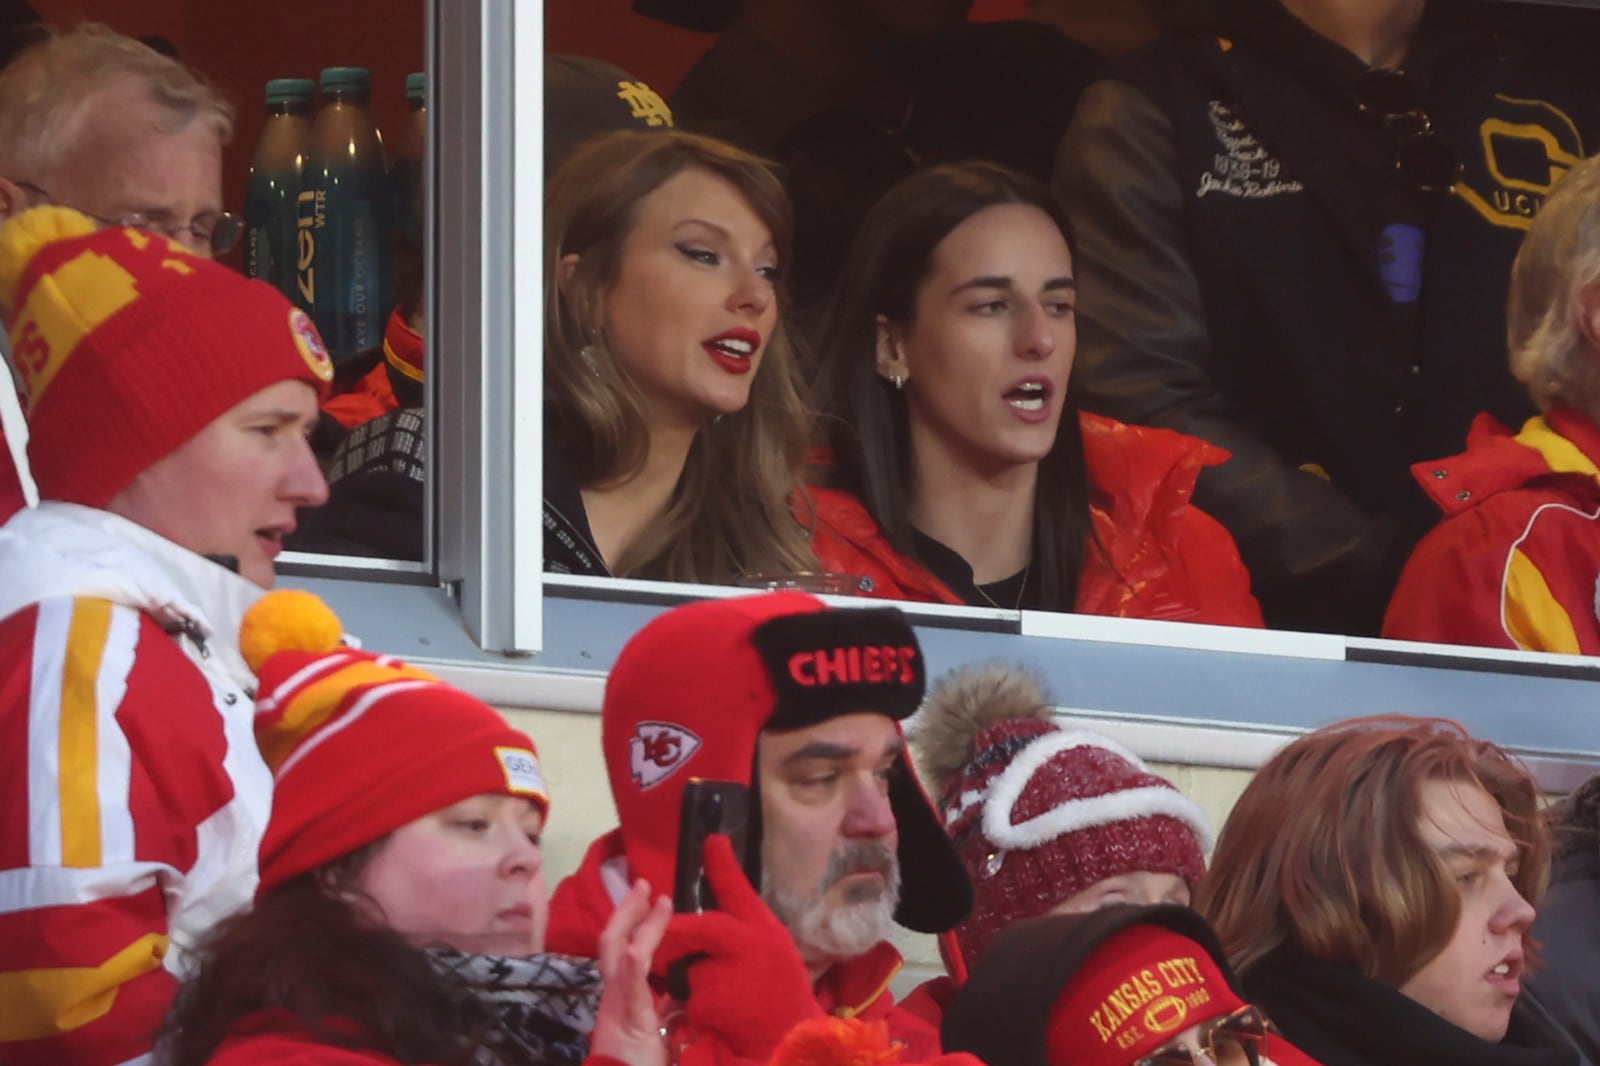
pixel 132 796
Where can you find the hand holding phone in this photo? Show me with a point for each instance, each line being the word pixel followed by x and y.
pixel 738 948
pixel 709 807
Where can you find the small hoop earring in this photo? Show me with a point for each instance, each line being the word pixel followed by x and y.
pixel 899 382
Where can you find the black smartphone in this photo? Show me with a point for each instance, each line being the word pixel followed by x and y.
pixel 708 807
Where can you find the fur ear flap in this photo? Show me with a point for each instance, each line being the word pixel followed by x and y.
pixel 962 704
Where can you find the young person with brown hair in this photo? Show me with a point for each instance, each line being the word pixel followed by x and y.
pixel 1375 886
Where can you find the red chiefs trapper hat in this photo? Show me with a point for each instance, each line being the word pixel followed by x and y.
pixel 692 691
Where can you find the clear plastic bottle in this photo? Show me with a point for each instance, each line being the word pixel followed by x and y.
pixel 344 208
pixel 269 211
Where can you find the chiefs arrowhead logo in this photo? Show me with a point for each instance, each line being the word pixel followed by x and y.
pixel 657 750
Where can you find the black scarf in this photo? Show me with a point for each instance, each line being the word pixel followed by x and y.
pixel 533 1009
pixel 1341 1018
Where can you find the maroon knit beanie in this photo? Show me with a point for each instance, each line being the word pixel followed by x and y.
pixel 1040 812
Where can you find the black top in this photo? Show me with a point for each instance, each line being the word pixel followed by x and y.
pixel 956 573
pixel 1568 926
pixel 569 546
pixel 377 490
pixel 1341 1018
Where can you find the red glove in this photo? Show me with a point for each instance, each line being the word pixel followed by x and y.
pixel 752 986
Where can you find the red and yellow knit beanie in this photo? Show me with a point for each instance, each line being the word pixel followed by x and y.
pixel 361 744
pixel 128 345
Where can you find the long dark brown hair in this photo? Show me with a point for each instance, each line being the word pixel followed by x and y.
pixel 863 418
pixel 347 980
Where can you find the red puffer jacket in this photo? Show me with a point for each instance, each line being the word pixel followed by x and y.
pixel 1164 558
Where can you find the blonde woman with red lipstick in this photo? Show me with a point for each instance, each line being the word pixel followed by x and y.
pixel 675 424
pixel 961 470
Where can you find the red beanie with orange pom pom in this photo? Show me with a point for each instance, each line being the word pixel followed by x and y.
pixel 361 744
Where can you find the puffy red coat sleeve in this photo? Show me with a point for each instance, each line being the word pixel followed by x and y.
pixel 101 794
pixel 1159 556
pixel 1208 554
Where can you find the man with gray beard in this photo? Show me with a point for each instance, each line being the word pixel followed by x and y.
pixel 802 704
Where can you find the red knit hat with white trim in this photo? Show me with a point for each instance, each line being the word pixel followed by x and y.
pixel 361 744
pixel 1039 813
pixel 128 345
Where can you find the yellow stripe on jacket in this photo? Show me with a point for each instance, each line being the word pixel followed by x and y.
pixel 80 703
pixel 49 1002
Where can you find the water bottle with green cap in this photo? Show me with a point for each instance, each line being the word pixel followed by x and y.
pixel 344 206
pixel 269 211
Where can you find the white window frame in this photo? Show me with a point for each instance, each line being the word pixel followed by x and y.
pixel 485 615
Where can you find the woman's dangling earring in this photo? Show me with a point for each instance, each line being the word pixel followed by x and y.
pixel 590 354
pixel 899 382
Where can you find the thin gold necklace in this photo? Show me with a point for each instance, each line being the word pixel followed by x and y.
pixel 1022 590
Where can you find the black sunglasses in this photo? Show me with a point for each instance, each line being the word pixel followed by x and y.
pixel 1422 156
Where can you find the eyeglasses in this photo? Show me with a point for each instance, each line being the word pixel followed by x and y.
pixel 1422 156
pixel 1237 1039
pixel 217 230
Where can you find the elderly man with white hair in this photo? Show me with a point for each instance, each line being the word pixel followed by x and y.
pixel 1514 562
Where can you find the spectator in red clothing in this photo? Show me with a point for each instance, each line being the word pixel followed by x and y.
pixel 401 914
pixel 961 468
pixel 1513 563
pixel 169 399
pixel 800 703
pixel 1047 819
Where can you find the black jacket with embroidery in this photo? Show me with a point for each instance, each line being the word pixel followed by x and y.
pixel 1254 271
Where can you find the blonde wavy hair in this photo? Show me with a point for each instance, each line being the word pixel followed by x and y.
pixel 1559 257
pixel 730 513
pixel 46 89
pixel 1324 849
